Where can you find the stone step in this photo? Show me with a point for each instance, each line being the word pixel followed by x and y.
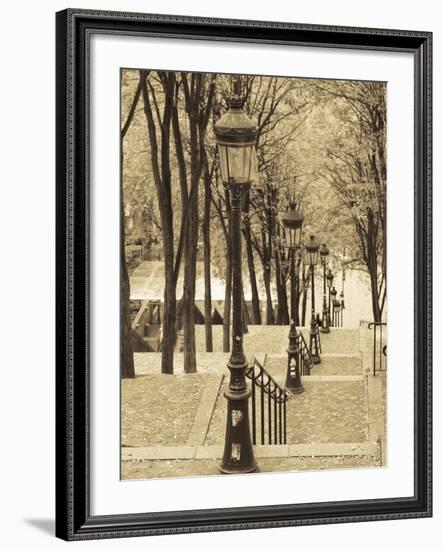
pixel 331 364
pixel 339 364
pixel 149 469
pixel 338 340
pixel 201 452
pixel 274 339
pixel 150 363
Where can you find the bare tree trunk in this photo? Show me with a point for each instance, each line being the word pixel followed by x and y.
pixel 127 369
pixel 162 178
pixel 256 316
pixel 170 305
pixel 374 293
pixel 283 313
pixel 126 355
pixel 207 261
pixel 190 265
pixel 190 364
pixel 373 267
pixel 198 117
pixel 297 297
pixel 304 307
pixel 269 306
pixel 245 312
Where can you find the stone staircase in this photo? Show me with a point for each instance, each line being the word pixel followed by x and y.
pixel 339 413
pixel 338 421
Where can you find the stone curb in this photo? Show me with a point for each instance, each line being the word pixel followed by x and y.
pixel 203 416
pixel 141 454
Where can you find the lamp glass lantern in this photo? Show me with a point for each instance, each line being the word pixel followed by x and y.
pixel 329 278
pixel 236 135
pixel 311 251
pixel 293 224
pixel 324 253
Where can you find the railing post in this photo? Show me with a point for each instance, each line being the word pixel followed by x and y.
pixel 275 415
pixel 253 406
pixel 375 346
pixel 378 331
pixel 262 409
pixel 284 420
pixel 269 414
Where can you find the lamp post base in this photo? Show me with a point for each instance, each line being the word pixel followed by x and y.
pixel 238 456
pixel 294 389
pixel 314 346
pixel 233 470
pixel 293 380
pixel 324 327
pixel 295 361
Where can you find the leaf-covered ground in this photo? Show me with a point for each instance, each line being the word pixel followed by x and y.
pixel 158 410
pixel 327 412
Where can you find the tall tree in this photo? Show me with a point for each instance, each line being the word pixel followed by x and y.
pixel 158 118
pixel 280 111
pixel 355 166
pixel 126 353
pixel 206 230
pixel 198 93
pixel 256 314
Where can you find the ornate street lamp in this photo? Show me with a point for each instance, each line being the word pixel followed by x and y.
pixel 293 223
pixel 236 134
pixel 311 257
pixel 333 296
pixel 336 312
pixel 324 253
pixel 329 279
pixel 342 307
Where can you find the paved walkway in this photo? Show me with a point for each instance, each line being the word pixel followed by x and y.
pixel 159 409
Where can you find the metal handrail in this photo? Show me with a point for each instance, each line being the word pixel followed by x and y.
pixel 306 357
pixel 274 411
pixel 378 327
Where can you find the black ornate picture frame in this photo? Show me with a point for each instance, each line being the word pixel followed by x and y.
pixel 74 30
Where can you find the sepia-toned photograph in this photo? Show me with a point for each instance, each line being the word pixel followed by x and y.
pixel 253 299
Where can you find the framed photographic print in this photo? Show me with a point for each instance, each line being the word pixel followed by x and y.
pixel 243 223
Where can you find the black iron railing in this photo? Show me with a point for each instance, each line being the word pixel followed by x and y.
pixel 306 363
pixel 268 403
pixel 337 313
pixel 319 340
pixel 378 347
